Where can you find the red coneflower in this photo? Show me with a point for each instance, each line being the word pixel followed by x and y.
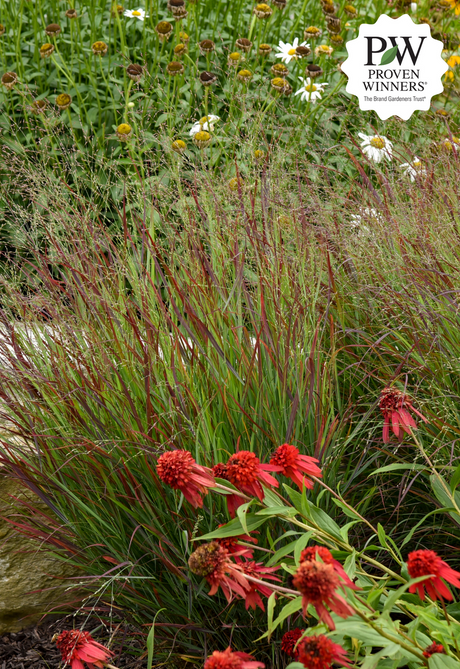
pixel 211 562
pixel 309 554
pixel 228 659
pixel 233 501
pixel 233 546
pixel 319 652
pixel 318 584
pixel 179 470
pixel 395 406
pixel 246 472
pixel 428 563
pixel 294 465
pixel 77 647
pixel 289 640
pixel 433 648
pixel 257 570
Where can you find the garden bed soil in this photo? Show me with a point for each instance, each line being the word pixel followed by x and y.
pixel 33 648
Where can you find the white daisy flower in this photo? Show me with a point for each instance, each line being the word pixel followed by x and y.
pixel 413 6
pixel 414 169
pixel 366 215
pixel 287 51
pixel 309 90
pixel 136 14
pixel 206 123
pixel 376 147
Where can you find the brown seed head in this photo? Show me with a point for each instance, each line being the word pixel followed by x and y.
pixel 163 30
pixel 174 67
pixel 206 46
pixel 135 71
pixel 53 29
pixel 206 559
pixel 263 11
pixel 244 44
pixel 207 78
pixel 9 80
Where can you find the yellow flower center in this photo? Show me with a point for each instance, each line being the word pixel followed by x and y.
pixel 124 129
pixel 235 56
pixel 377 143
pixel 291 52
pixel 202 136
pixel 416 164
pixel 136 13
pixel 310 88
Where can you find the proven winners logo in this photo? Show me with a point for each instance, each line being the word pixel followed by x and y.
pixel 394 67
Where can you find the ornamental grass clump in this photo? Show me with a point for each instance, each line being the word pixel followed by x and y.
pixel 197 377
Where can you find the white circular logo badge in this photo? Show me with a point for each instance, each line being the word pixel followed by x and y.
pixel 394 67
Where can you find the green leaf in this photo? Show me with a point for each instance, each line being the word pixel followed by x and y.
pixel 441 661
pixel 389 55
pixel 270 608
pixel 394 467
pixel 281 552
pixel 443 494
pixel 300 545
pixel 242 512
pixel 234 528
pixel 287 511
pixel 348 512
pixel 151 641
pixel 455 479
pixel 393 598
pixel 292 607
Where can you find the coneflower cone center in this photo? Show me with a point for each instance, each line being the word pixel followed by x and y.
pixel 423 563
pixel 285 456
pixel 207 559
pixel 174 468
pixel 311 553
pixel 242 468
pixel 316 580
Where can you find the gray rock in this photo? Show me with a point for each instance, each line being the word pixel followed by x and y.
pixel 28 584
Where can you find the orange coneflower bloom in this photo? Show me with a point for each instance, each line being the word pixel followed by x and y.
pixel 426 562
pixel 319 652
pixel 179 470
pixel 246 472
pixel 211 561
pixel 77 647
pixel 295 466
pixel 228 659
pixel 289 642
pixel 311 553
pixel 318 584
pixel 395 406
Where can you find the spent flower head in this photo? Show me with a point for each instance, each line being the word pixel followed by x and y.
pixel 77 647
pixel 53 29
pixel 263 11
pixel 99 48
pixel 9 80
pixel 46 50
pixel 63 101
pixel 164 29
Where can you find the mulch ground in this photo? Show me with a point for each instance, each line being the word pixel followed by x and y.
pixel 32 648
